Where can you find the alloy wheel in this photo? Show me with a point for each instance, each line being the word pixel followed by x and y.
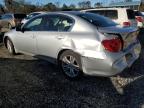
pixel 70 66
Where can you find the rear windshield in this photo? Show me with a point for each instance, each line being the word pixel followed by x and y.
pixel 97 20
pixel 112 14
pixel 19 16
pixel 130 14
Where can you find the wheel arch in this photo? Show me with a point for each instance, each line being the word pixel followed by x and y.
pixel 5 40
pixel 63 50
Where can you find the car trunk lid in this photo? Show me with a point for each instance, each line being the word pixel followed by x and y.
pixel 127 34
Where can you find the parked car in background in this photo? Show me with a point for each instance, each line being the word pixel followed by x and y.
pixel 140 18
pixel 122 16
pixel 79 42
pixel 4 26
pixel 30 16
pixel 12 19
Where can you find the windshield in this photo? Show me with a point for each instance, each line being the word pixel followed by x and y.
pixel 97 20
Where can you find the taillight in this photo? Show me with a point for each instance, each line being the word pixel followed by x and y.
pixel 126 24
pixel 112 45
pixel 139 19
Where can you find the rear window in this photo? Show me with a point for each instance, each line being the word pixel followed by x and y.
pixel 100 12
pixel 7 16
pixel 19 16
pixel 112 14
pixel 130 14
pixel 97 20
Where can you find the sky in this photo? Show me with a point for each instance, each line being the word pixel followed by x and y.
pixel 67 2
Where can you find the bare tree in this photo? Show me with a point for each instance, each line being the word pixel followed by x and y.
pixel 84 4
pixel 98 4
pixel 72 6
pixel 9 4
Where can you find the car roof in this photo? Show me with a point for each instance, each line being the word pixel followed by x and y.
pixel 106 9
pixel 65 12
pixel 37 12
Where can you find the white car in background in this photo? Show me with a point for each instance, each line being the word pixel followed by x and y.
pixel 30 16
pixel 122 16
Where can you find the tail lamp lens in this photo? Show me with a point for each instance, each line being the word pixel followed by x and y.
pixel 126 24
pixel 112 45
pixel 139 19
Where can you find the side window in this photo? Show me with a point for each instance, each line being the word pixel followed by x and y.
pixel 56 23
pixel 130 14
pixel 100 12
pixel 64 24
pixel 113 14
pixel 49 23
pixel 7 17
pixel 34 25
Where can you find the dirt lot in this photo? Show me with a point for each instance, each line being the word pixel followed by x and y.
pixel 26 82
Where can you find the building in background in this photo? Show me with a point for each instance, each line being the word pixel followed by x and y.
pixel 127 4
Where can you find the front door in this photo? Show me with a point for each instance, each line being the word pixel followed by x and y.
pixel 26 39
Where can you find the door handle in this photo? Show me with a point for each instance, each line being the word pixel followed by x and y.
pixel 33 36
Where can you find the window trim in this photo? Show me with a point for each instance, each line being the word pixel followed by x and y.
pixel 45 15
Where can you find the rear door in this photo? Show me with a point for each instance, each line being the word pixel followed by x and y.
pixel 131 17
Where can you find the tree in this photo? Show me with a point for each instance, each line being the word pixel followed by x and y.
pixel 98 4
pixel 57 4
pixel 64 7
pixel 84 4
pixel 72 6
pixel 9 4
pixel 22 2
pixel 50 7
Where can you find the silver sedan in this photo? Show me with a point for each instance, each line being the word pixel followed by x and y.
pixel 80 43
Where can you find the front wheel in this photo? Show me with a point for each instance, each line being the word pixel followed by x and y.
pixel 10 47
pixel 70 64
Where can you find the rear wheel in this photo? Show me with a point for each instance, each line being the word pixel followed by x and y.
pixel 70 64
pixel 10 47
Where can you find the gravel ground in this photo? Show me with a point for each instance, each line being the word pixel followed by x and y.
pixel 26 82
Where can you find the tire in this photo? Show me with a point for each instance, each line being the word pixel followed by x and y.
pixel 10 47
pixel 70 64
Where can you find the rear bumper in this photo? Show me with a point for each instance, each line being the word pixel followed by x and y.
pixel 111 65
